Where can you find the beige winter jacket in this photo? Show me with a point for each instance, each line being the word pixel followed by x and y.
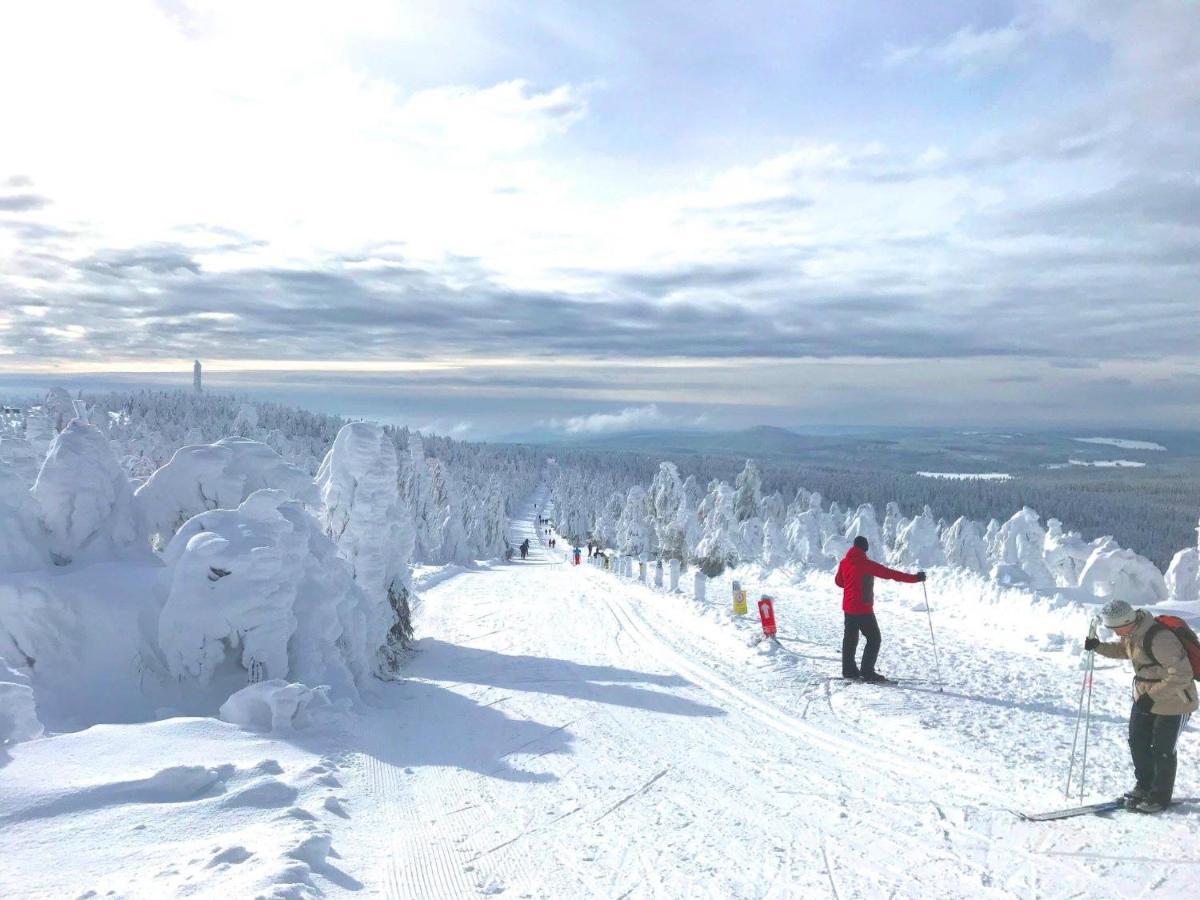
pixel 1167 677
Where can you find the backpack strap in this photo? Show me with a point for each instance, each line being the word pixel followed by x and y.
pixel 1148 640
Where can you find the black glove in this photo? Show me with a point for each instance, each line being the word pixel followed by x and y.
pixel 1145 703
pixel 1091 643
pixel 920 576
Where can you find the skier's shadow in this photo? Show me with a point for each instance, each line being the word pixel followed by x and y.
pixel 1027 706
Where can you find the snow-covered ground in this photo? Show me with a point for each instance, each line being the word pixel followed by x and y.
pixel 562 732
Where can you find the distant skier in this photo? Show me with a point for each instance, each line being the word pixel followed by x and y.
pixel 577 553
pixel 1164 697
pixel 525 548
pixel 856 576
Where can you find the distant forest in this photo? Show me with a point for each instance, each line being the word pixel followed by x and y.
pixel 1154 515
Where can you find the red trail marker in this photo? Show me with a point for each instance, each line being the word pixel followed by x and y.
pixel 766 612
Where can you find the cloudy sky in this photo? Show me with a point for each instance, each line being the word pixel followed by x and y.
pixel 495 216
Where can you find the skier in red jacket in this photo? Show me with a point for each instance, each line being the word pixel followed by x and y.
pixel 856 576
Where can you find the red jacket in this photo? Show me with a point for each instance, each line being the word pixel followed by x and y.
pixel 856 576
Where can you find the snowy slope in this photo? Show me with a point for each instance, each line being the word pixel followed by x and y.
pixel 561 732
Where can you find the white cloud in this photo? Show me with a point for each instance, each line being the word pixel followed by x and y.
pixel 970 50
pixel 631 418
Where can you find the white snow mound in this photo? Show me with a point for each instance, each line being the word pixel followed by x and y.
pixel 277 705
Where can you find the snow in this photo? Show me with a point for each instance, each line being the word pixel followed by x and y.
pixel 1107 463
pixel 260 592
pixel 968 476
pixel 560 731
pixel 85 500
pixel 1113 572
pixel 211 476
pixel 276 705
pixel 18 710
pixel 1122 443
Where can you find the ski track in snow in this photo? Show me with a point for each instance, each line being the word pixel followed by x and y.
pixel 562 732
pixel 566 733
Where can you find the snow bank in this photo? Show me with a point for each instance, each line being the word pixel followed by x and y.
pixel 261 590
pixel 86 505
pixel 216 476
pixel 18 711
pixel 276 705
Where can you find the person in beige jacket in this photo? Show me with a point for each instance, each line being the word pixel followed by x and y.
pixel 1164 696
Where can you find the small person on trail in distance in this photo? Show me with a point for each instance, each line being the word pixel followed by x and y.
pixel 1164 697
pixel 856 576
pixel 524 548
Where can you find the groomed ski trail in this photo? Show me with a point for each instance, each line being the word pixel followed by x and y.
pixel 553 737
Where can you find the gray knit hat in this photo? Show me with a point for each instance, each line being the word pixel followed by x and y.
pixel 1116 613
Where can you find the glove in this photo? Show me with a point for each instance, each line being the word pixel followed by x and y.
pixel 1091 643
pixel 1145 703
pixel 920 576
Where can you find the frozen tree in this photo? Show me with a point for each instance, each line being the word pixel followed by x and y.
pixel 418 492
pixel 1183 576
pixel 774 545
pixel 18 711
pixel 1065 554
pixel 20 456
pixel 964 547
pixel 261 591
pixel 216 476
pixel 917 545
pixel 84 499
pixel 605 528
pixel 23 544
pixel 803 536
pixel 450 531
pixel 862 523
pixel 1020 543
pixel 362 513
pixel 668 503
pixel 716 549
pixel 747 496
pixel 635 530
pixel 1113 572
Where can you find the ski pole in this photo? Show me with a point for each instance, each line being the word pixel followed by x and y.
pixel 936 662
pixel 1083 687
pixel 1087 723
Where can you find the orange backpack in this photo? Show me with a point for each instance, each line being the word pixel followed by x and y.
pixel 1181 630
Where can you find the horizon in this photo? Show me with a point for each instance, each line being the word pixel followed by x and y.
pixel 553 217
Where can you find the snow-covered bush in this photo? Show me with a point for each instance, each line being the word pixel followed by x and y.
pixel 362 513
pixel 85 501
pixel 216 476
pixel 1114 572
pixel 261 590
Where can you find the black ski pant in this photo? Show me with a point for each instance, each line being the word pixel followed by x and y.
pixel 870 630
pixel 1152 744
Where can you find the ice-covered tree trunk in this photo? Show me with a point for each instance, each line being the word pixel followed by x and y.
pixel 85 501
pixel 361 511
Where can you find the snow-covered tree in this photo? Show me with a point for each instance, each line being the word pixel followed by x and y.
pixel 963 546
pixel 917 545
pixel 668 503
pixel 635 530
pixel 261 591
pixel 862 523
pixel 1065 554
pixel 23 544
pixel 1020 546
pixel 84 499
pixel 1114 572
pixel 747 496
pixel 716 549
pixel 361 511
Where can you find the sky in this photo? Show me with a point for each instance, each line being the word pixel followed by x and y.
pixel 493 218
